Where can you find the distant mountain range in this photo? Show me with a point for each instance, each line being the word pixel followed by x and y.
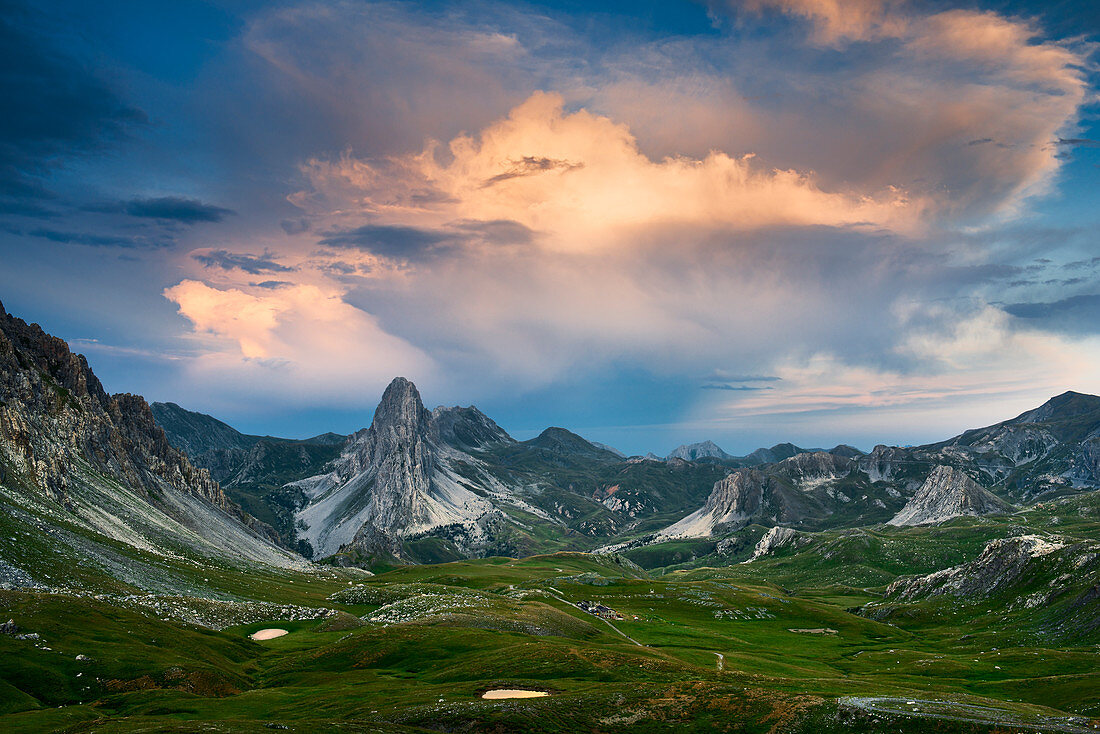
pixel 708 450
pixel 423 486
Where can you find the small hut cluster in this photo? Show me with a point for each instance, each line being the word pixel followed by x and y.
pixel 599 610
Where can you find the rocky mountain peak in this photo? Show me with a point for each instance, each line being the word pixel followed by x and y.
pixel 702 450
pixel 739 494
pixel 393 478
pixel 467 428
pixel 1066 406
pixel 946 493
pixel 401 411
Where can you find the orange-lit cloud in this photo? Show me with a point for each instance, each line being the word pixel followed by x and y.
pixel 580 179
pixel 301 340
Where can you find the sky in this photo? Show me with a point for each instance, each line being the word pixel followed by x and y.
pixel 653 223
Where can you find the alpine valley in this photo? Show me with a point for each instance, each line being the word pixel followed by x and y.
pixel 430 558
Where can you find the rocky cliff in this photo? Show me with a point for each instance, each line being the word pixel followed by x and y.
pixel 733 501
pixel 946 493
pixel 102 459
pixel 395 479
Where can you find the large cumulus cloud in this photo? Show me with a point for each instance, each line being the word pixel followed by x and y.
pixel 513 206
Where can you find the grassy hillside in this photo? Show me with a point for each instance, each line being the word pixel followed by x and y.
pixel 413 649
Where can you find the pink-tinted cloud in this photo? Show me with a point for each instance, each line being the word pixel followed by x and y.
pixel 300 342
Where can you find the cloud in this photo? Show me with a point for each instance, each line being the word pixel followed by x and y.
pixel 903 109
pixel 530 165
pixel 968 382
pixel 251 264
pixel 735 377
pixel 1077 142
pixel 742 198
pixel 1093 262
pixel 90 239
pixel 166 208
pixel 1079 314
pixel 607 186
pixel 408 243
pixel 299 343
pixel 838 21
pixel 388 240
pixel 295 226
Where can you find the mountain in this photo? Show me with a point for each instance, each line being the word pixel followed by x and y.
pixel 254 471
pixel 398 478
pixel 810 489
pixel 450 483
pixel 1050 582
pixel 776 453
pixel 197 433
pixel 605 447
pixel 1047 452
pixel 946 493
pixel 696 451
pixel 467 428
pixel 95 470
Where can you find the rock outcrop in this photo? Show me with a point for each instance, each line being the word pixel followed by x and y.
pixel 810 470
pixel 776 538
pixel 395 479
pixel 946 493
pixel 732 502
pixel 1001 563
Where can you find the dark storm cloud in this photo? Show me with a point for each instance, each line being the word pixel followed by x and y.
pixel 1075 315
pixel 252 264
pixel 273 284
pixel 54 107
pixel 409 243
pixel 419 244
pixel 166 208
pixel 1077 142
pixel 295 226
pixel 90 239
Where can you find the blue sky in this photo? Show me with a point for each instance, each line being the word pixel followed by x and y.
pixel 652 223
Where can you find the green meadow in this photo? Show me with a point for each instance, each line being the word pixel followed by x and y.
pixel 413 649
